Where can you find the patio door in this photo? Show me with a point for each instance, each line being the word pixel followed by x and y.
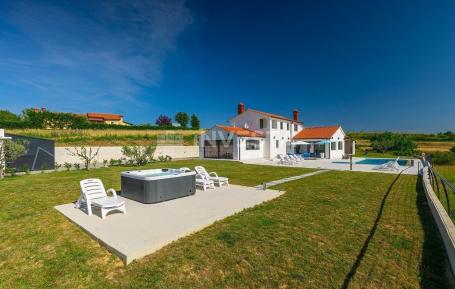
pixel 218 149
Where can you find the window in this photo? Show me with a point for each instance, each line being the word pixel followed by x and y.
pixel 277 144
pixel 287 125
pixel 281 125
pixel 261 123
pixel 252 145
pixel 274 124
pixel 340 145
pixel 296 127
pixel 333 146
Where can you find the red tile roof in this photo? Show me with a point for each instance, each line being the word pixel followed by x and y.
pixel 240 131
pixel 103 116
pixel 322 132
pixel 271 115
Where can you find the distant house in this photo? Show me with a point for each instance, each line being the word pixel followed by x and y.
pixel 106 118
pixel 254 134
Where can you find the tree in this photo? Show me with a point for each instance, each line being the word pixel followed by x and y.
pixel 195 124
pixel 163 120
pixel 387 141
pixel 10 150
pixel 86 155
pixel 182 118
pixel 139 155
pixel 6 115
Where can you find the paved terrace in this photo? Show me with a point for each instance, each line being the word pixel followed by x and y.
pixel 340 165
pixel 145 228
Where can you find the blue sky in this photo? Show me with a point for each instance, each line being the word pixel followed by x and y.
pixel 383 65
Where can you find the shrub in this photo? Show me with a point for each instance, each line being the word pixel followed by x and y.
pixel 10 150
pixel 105 162
pixel 57 166
pixel 453 149
pixel 77 166
pixel 86 155
pixel 68 166
pixel 139 155
pixel 442 158
pixel 113 162
pixel 164 159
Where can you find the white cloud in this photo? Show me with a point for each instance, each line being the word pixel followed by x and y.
pixel 93 52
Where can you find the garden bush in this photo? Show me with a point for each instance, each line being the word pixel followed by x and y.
pixel 443 158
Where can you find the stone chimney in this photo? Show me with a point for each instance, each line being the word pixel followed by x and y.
pixel 240 108
pixel 295 114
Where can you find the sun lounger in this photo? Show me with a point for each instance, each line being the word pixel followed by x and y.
pixel 285 160
pixel 203 174
pixel 94 194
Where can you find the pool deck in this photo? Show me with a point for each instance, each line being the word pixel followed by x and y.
pixel 339 165
pixel 145 228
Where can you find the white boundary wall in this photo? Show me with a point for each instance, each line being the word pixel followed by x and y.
pixel 442 219
pixel 115 152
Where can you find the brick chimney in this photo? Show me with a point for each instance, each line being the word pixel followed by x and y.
pixel 35 109
pixel 295 114
pixel 240 108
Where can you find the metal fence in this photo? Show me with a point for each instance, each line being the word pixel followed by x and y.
pixel 444 189
pixel 40 154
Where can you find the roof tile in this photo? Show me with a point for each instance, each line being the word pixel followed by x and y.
pixel 322 132
pixel 240 131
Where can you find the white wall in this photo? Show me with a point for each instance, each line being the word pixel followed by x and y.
pixel 282 135
pixel 115 152
pixel 337 137
pixel 251 154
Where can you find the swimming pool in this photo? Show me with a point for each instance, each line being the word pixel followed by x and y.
pixel 374 162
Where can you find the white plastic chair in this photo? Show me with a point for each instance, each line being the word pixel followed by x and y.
pixel 202 172
pixel 294 158
pixel 94 194
pixel 285 160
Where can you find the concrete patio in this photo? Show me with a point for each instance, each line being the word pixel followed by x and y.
pixel 340 165
pixel 145 228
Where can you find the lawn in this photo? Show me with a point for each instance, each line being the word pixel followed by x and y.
pixel 334 230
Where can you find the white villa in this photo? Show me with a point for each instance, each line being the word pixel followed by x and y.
pixel 254 134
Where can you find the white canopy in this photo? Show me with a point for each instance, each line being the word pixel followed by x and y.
pixel 300 143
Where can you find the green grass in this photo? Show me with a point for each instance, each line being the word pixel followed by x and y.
pixel 314 236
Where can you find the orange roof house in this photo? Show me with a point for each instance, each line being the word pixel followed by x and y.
pixel 321 132
pixel 106 118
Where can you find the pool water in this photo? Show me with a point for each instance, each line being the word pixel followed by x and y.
pixel 380 162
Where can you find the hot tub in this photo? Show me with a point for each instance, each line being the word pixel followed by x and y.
pixel 157 185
